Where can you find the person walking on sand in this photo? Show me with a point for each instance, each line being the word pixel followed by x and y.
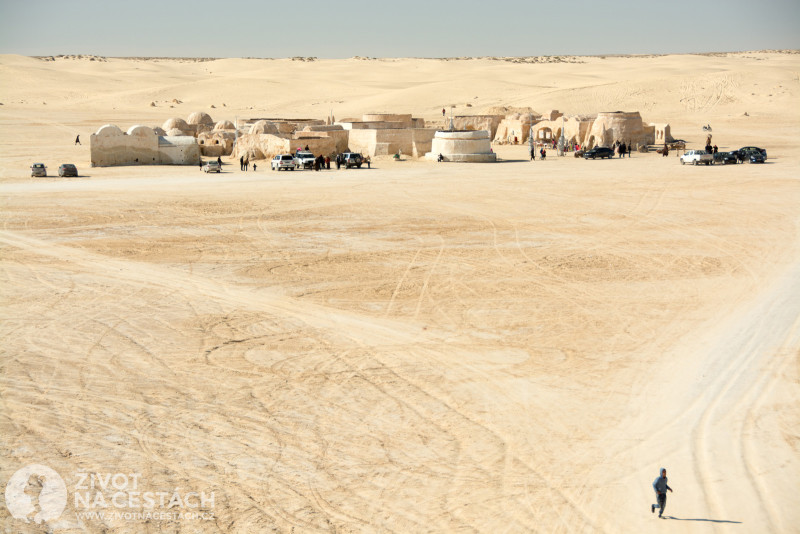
pixel 241 163
pixel 219 161
pixel 661 487
pixel 533 154
pixel 78 140
pixel 254 167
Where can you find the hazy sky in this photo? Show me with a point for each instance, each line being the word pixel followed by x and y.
pixel 413 28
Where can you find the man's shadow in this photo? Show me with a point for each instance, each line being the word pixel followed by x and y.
pixel 706 520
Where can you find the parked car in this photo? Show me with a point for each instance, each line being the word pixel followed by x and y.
pixel 757 157
pixel 283 161
pixel 304 160
pixel 598 152
pixel 724 158
pixel 212 166
pixel 746 151
pixel 67 169
pixel 696 157
pixel 38 170
pixel 352 159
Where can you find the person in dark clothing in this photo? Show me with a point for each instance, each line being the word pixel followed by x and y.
pixel 338 161
pixel 543 153
pixel 241 163
pixel 219 161
pixel 201 164
pixel 622 149
pixel 78 140
pixel 254 167
pixel 533 154
pixel 661 488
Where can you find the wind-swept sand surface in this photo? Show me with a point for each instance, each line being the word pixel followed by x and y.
pixel 418 347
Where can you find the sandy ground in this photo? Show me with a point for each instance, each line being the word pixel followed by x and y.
pixel 418 347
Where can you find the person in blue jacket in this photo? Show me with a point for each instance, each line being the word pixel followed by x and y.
pixel 661 487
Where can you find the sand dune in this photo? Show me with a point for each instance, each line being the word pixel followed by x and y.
pixel 417 347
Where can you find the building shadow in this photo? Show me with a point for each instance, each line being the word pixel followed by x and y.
pixel 703 520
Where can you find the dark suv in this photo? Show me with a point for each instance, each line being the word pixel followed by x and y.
pixel 352 159
pixel 746 152
pixel 598 152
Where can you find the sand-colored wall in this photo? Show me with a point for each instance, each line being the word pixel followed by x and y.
pixel 260 146
pixel 574 129
pixel 478 122
pixel 662 133
pixel 386 142
pixel 320 145
pixel 216 143
pixel 404 119
pixel 110 146
pixel 508 129
pixel 180 150
pixel 613 126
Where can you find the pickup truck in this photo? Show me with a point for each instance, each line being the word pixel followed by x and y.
pixel 696 157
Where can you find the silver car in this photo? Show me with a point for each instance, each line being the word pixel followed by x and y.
pixel 38 170
pixel 212 166
pixel 283 161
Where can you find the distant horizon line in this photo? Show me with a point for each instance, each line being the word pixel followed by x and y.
pixel 376 58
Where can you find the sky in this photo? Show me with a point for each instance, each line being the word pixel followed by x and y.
pixel 413 28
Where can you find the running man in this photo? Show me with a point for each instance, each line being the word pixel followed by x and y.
pixel 661 487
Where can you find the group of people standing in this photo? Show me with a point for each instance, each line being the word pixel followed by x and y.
pixel 620 148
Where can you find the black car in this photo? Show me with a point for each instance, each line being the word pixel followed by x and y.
pixel 598 152
pixel 756 157
pixel 726 157
pixel 744 153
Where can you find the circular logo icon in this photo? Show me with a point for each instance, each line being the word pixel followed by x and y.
pixel 36 493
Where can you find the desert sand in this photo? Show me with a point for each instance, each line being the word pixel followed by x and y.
pixel 418 347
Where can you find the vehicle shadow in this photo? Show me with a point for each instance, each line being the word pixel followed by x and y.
pixel 703 520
